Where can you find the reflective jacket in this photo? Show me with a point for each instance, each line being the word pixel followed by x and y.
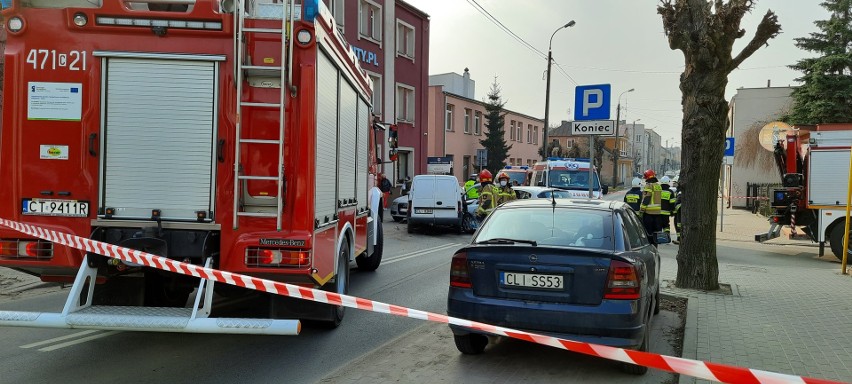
pixel 505 194
pixel 488 199
pixel 652 197
pixel 677 212
pixel 633 198
pixel 667 202
pixel 472 193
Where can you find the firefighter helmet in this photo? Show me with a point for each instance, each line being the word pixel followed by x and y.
pixel 473 176
pixel 485 176
pixel 502 175
pixel 649 174
pixel 665 180
pixel 637 182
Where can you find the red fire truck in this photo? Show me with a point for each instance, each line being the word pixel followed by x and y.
pixel 233 134
pixel 813 167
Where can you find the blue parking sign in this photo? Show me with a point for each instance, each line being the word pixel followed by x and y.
pixel 591 102
pixel 729 146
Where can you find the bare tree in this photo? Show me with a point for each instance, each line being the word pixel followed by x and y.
pixel 705 31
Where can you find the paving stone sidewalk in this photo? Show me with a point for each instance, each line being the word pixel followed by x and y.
pixel 790 311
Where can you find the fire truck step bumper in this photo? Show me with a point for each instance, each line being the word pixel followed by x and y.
pixel 148 319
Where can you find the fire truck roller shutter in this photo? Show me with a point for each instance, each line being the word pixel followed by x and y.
pixel 159 131
pixel 326 141
pixel 361 169
pixel 347 136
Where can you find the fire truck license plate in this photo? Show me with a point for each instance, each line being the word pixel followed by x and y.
pixel 49 207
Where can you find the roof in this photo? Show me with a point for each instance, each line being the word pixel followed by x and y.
pixel 602 205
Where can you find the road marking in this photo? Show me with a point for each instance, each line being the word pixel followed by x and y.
pixel 78 341
pixel 55 339
pixel 419 253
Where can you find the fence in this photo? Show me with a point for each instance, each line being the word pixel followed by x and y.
pixel 764 191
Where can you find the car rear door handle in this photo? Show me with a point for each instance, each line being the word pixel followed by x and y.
pixel 439 202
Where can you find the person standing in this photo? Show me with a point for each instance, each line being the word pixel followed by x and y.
pixel 652 196
pixel 666 204
pixel 633 198
pixel 677 215
pixel 488 195
pixel 472 193
pixel 506 193
pixel 385 186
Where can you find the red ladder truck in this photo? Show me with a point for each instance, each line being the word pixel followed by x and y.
pixel 232 134
pixel 813 167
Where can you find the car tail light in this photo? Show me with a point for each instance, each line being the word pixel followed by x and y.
pixel 622 282
pixel 267 257
pixel 459 276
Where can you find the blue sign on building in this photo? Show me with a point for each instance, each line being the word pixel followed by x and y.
pixel 591 102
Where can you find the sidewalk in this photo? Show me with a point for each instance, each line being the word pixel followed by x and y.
pixel 789 310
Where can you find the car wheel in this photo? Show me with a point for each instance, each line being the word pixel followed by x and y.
pixel 371 263
pixel 634 369
pixel 657 301
pixel 471 344
pixel 397 219
pixel 468 225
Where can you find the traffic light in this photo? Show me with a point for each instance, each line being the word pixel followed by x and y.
pixel 393 136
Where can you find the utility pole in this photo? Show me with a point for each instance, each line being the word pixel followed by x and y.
pixel 615 150
pixel 544 153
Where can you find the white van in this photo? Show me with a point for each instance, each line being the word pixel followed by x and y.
pixel 435 200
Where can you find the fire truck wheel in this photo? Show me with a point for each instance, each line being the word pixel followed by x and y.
pixel 371 262
pixel 836 240
pixel 339 285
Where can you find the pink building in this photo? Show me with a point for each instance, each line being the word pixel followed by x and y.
pixel 457 124
pixel 391 39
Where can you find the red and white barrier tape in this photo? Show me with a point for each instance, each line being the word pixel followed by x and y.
pixel 695 368
pixel 745 197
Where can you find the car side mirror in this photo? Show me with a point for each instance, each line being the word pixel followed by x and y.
pixel 662 237
pixel 605 189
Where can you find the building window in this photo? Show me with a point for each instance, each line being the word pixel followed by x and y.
pixel 477 123
pixel 639 138
pixel 512 130
pixel 448 119
pixel 370 25
pixel 337 7
pixel 404 39
pixel 529 133
pixel 569 143
pixel 535 135
pixel 466 120
pixel 518 135
pixel 404 103
pixel 377 92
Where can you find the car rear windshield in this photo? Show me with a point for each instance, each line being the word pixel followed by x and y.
pixel 572 179
pixel 562 226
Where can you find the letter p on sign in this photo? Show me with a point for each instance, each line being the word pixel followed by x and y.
pixel 591 102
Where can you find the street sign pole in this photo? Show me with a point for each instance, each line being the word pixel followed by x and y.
pixel 591 164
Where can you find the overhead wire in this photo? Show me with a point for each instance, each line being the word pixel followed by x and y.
pixel 506 29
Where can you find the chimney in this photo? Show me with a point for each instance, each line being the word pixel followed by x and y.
pixel 467 90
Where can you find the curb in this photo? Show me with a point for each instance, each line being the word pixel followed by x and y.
pixel 690 337
pixel 16 289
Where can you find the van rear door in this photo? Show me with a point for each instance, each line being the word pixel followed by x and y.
pixel 447 197
pixel 423 197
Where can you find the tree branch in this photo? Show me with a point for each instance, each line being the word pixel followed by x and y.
pixel 767 29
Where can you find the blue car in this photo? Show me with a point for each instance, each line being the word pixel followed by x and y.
pixel 584 270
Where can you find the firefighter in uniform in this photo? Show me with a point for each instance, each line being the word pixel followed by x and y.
pixel 651 204
pixel 677 215
pixel 633 198
pixel 488 195
pixel 506 193
pixel 472 193
pixel 667 204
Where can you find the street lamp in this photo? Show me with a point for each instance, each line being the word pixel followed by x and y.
pixel 547 92
pixel 632 140
pixel 615 144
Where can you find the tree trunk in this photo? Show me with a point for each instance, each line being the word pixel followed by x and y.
pixel 704 123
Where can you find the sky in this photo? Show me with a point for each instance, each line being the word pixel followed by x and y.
pixel 617 42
